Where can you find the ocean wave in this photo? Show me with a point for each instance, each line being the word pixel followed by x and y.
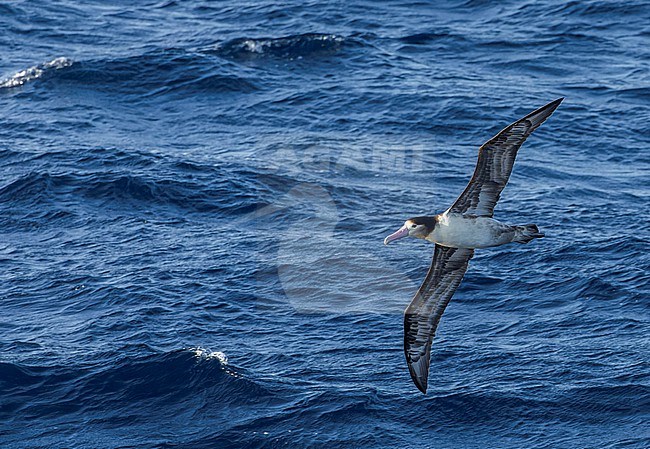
pixel 42 391
pixel 289 47
pixel 158 73
pixel 35 72
pixel 236 194
pixel 606 9
pixel 32 186
pixel 148 74
pixel 425 38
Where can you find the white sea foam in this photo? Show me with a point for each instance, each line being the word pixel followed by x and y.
pixel 254 46
pixel 35 72
pixel 206 354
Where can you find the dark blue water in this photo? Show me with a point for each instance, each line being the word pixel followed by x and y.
pixel 193 198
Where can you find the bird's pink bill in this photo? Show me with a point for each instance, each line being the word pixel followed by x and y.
pixel 401 233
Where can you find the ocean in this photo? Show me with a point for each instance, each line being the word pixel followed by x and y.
pixel 194 196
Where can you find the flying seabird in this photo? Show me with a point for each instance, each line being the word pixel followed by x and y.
pixel 465 226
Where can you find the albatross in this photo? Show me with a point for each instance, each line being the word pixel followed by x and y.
pixel 457 232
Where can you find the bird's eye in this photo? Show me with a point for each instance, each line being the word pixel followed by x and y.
pixel 413 226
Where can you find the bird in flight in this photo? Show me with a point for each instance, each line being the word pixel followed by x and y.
pixel 465 226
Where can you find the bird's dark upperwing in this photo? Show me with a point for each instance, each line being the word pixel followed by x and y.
pixel 422 316
pixel 495 160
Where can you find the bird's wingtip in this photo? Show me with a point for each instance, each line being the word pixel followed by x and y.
pixel 420 381
pixel 538 116
pixel 553 104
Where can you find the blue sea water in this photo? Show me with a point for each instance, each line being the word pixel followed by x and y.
pixel 193 198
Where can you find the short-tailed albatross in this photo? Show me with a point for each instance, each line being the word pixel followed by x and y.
pixel 466 225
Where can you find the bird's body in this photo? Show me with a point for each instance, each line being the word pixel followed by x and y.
pixel 468 224
pixel 462 231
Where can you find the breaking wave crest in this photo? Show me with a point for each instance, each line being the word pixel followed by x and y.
pixel 289 47
pixel 35 72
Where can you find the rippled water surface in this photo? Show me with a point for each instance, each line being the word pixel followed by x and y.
pixel 193 198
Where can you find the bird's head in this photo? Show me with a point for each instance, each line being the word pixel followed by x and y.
pixel 418 227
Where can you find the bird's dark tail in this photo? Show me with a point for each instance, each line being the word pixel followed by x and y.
pixel 526 233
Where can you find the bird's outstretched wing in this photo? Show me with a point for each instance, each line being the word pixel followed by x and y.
pixel 422 316
pixel 495 160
